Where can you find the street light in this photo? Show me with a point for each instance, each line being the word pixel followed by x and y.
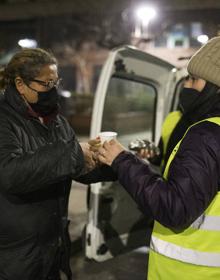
pixel 144 14
pixel 202 39
pixel 27 43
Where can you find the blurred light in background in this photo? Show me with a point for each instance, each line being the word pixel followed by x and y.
pixel 202 39
pixel 65 93
pixel 27 43
pixel 145 14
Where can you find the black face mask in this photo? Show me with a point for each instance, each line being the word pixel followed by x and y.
pixel 187 98
pixel 47 102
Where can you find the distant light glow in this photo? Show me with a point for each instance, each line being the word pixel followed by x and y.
pixel 145 14
pixel 27 43
pixel 202 39
pixel 65 93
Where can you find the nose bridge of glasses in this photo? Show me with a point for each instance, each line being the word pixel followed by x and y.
pixel 52 83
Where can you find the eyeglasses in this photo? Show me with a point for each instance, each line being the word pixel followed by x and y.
pixel 50 84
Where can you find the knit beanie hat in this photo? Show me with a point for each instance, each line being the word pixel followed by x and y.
pixel 205 63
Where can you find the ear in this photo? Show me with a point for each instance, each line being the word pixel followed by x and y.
pixel 199 84
pixel 20 85
pixel 188 83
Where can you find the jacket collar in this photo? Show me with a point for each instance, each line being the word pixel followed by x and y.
pixel 15 100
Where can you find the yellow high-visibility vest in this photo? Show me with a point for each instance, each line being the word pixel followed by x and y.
pixel 193 253
pixel 168 126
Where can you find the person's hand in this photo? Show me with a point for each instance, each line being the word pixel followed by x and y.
pixel 144 149
pixel 146 153
pixel 88 156
pixel 95 144
pixel 109 151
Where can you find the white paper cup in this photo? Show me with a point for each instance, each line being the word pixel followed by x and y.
pixel 107 135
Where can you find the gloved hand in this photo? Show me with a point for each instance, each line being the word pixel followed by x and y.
pixel 144 148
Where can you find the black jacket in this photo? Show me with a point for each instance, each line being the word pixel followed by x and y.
pixel 37 164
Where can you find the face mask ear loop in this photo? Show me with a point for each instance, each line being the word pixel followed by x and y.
pixel 25 100
pixel 32 89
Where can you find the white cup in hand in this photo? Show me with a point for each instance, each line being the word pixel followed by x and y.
pixel 107 136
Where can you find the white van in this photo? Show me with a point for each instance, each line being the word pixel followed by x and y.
pixel 135 92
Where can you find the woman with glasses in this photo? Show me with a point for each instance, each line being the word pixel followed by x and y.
pixel 39 157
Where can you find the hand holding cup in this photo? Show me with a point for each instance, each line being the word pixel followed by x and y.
pixel 109 151
pixel 98 143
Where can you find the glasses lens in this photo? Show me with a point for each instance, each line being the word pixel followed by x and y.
pixel 52 84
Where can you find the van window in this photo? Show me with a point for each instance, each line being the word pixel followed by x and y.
pixel 129 109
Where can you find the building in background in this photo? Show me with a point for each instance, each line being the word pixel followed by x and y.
pixel 80 33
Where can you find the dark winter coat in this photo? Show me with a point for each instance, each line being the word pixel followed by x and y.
pixel 37 164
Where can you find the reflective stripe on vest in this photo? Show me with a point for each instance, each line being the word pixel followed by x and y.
pixel 168 126
pixel 198 244
pixel 184 254
pixel 207 223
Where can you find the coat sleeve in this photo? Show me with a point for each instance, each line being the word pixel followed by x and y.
pixel 102 173
pixel 22 171
pixel 192 182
